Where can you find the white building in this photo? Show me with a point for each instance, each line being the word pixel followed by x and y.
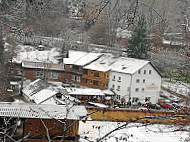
pixel 135 80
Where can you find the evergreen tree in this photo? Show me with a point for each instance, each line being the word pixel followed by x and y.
pixel 1 44
pixel 139 44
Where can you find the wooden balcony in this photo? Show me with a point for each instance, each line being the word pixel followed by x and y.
pixel 95 78
pixel 93 86
pixel 73 70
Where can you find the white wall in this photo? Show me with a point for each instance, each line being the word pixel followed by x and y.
pixel 152 84
pixel 124 84
pixel 129 84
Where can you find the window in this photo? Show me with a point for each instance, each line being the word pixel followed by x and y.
pixel 85 72
pixel 78 78
pixel 76 67
pixel 150 71
pixel 40 74
pixel 113 78
pixel 103 84
pixel 118 88
pixel 139 72
pixel 58 95
pixel 136 89
pixel 119 79
pixel 107 76
pixel 143 80
pixel 138 80
pixel 147 99
pixel 73 77
pixel 90 81
pixel 96 74
pixel 84 80
pixel 53 75
pixel 135 99
pixel 142 89
pixel 106 84
pixel 91 73
pixel 118 97
pixel 113 86
pixel 95 83
pixel 144 71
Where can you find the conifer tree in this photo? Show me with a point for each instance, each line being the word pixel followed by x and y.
pixel 139 44
pixel 1 44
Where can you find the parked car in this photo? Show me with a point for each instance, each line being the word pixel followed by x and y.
pixel 142 108
pixel 168 106
pixel 153 106
pixel 175 105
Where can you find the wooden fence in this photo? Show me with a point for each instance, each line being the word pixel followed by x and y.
pixel 143 116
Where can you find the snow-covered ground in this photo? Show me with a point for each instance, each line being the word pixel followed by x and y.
pixel 134 132
pixel 178 87
pixel 31 53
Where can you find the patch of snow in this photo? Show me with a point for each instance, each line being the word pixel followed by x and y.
pixel 36 56
pixel 123 33
pixel 178 87
pixel 134 132
pixel 86 91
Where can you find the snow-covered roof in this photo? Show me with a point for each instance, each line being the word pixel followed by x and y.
pixel 98 105
pixel 42 65
pixel 80 58
pixel 50 101
pixel 119 64
pixel 14 83
pixel 42 111
pixel 128 65
pixel 87 91
pixel 104 63
pixel 43 95
pixel 34 87
pixel 108 92
pixel 37 56
pixel 87 58
pixel 74 56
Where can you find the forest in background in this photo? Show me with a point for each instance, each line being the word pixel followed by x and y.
pixel 98 22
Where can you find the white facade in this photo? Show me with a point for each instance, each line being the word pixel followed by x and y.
pixel 143 85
